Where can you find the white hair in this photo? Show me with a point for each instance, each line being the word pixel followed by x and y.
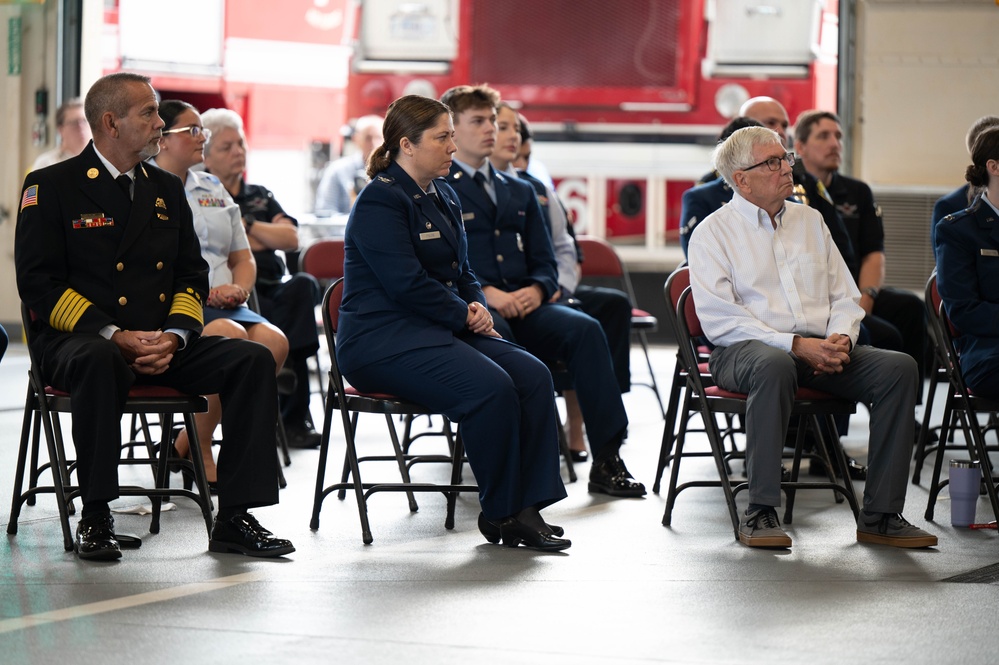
pixel 736 152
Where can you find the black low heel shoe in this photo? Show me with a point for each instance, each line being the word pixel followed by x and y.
pixel 491 531
pixel 514 532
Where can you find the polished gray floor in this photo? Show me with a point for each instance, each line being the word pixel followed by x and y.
pixel 629 590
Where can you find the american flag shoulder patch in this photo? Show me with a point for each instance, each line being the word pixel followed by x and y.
pixel 30 197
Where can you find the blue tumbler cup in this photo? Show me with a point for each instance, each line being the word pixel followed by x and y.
pixel 965 477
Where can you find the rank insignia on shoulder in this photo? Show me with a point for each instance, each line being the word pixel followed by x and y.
pixel 467 216
pixel 388 180
pixel 416 197
pixel 160 203
pixel 30 197
pixel 92 173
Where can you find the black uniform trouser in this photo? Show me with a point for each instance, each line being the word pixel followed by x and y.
pixel 613 310
pixel 98 379
pixel 561 333
pixel 898 323
pixel 291 306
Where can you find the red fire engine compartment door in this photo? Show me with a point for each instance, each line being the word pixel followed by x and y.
pixel 591 56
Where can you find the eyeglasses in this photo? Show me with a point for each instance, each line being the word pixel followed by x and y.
pixel 774 162
pixel 193 130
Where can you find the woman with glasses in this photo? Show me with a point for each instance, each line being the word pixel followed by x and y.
pixel 287 300
pixel 231 268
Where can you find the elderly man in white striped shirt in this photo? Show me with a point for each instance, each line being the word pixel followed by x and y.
pixel 776 299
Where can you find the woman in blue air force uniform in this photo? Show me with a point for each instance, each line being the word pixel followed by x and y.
pixel 967 251
pixel 414 323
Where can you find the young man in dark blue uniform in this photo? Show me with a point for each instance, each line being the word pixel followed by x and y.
pixel 108 261
pixel 510 251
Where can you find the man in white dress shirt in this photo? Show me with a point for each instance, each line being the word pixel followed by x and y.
pixel 776 299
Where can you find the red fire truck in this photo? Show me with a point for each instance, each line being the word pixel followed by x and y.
pixel 626 97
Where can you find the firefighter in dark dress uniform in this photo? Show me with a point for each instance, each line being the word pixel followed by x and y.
pixel 108 262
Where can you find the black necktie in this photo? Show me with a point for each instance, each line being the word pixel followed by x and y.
pixel 126 185
pixel 480 180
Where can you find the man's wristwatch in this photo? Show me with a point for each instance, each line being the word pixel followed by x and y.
pixel 872 292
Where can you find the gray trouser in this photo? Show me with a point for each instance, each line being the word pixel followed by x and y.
pixel 883 380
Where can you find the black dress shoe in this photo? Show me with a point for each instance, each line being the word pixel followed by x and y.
pixel 95 540
pixel 242 534
pixel 302 435
pixel 857 470
pixel 579 456
pixel 611 477
pixel 513 532
pixel 491 530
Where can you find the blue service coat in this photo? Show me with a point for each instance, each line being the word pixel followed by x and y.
pixel 967 253
pixel 699 202
pixel 509 247
pixel 407 278
pixel 948 204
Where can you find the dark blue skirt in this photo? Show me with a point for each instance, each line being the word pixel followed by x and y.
pixel 240 314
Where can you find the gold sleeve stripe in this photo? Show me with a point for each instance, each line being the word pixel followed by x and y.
pixel 68 310
pixel 187 305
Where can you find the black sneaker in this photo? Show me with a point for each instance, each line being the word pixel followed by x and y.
pixel 761 528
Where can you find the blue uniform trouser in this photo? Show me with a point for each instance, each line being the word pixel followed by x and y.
pixel 504 403
pixel 561 333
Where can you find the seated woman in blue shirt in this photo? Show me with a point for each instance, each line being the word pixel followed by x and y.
pixel 414 323
pixel 231 268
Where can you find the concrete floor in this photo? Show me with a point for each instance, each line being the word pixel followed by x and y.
pixel 628 591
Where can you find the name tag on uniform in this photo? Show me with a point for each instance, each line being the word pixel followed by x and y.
pixel 432 235
pixel 466 216
pixel 990 252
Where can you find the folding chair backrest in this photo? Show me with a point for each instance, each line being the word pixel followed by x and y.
pixel 688 330
pixel 688 312
pixel 599 258
pixel 678 280
pixel 331 309
pixel 323 259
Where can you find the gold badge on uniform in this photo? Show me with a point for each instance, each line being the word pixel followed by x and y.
pixel 162 216
pixel 92 173
pixel 160 203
